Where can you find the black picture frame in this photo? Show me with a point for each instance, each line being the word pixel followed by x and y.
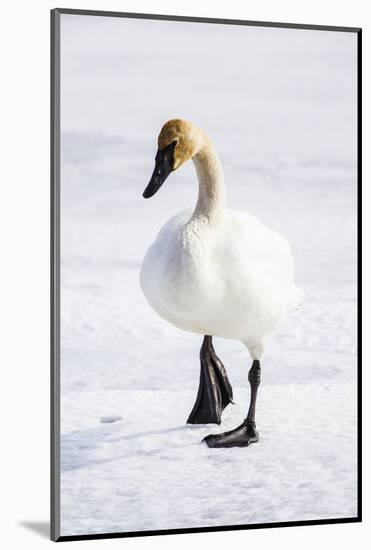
pixel 55 273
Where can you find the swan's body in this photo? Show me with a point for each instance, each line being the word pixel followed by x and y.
pixel 215 271
pixel 232 278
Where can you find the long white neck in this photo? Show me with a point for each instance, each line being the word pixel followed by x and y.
pixel 211 201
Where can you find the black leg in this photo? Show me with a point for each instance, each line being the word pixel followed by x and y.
pixel 246 433
pixel 214 392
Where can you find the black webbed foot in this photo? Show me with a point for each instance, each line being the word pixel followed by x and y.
pixel 215 390
pixel 242 436
pixel 245 434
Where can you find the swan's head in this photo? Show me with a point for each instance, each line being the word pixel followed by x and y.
pixel 178 141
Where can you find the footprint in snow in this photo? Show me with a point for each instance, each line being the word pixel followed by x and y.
pixel 110 419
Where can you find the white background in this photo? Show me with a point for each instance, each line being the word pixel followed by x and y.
pixel 25 269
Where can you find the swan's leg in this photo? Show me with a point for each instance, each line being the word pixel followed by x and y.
pixel 246 433
pixel 214 392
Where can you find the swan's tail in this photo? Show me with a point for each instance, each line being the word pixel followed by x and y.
pixel 296 298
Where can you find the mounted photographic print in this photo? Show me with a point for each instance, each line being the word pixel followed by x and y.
pixel 205 251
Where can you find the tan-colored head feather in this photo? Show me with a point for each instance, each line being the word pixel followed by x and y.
pixel 188 139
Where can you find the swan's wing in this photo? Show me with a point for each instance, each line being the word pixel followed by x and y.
pixel 250 237
pixel 263 256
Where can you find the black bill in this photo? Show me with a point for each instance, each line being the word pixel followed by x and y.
pixel 164 165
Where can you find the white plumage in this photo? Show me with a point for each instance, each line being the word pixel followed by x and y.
pixel 217 271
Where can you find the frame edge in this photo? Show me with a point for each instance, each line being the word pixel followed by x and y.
pixel 54 274
pixel 359 272
pixel 213 20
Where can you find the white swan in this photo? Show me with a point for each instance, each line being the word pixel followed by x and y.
pixel 216 272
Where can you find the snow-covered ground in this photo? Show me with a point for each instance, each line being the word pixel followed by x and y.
pixel 280 106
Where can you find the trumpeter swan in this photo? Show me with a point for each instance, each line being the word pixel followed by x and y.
pixel 216 272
